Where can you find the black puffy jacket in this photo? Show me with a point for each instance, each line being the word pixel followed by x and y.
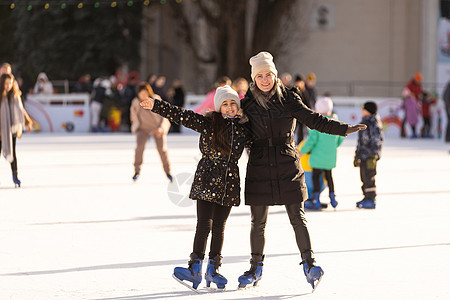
pixel 274 174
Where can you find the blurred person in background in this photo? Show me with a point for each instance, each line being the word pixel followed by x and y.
pixel 43 85
pixel 176 93
pixel 286 79
pixel 299 88
pixel 208 104
pixel 128 94
pixel 310 86
pixel 240 85
pixel 323 155
pixel 83 85
pixel 414 90
pixel 13 119
pixel 446 98
pixel 146 123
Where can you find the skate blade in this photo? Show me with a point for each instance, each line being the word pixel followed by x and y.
pixel 248 286
pixel 316 284
pixel 214 290
pixel 185 284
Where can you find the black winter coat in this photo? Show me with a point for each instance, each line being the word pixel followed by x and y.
pixel 371 139
pixel 274 174
pixel 217 177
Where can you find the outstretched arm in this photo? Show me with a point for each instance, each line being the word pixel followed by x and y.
pixel 176 114
pixel 355 128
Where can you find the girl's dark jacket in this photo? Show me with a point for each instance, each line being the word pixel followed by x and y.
pixel 217 177
pixel 274 174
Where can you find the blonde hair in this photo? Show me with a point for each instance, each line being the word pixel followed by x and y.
pixel 262 98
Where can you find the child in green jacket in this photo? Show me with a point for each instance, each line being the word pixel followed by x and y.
pixel 323 151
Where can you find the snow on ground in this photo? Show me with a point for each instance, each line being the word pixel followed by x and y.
pixel 79 228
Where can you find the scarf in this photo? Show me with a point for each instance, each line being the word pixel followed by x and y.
pixel 12 122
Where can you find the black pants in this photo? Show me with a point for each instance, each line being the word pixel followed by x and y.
pixel 316 173
pixel 210 217
pixel 14 162
pixel 296 215
pixel 368 187
pixel 426 128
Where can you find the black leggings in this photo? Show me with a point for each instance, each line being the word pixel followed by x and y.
pixel 296 215
pixel 316 180
pixel 210 217
pixel 14 162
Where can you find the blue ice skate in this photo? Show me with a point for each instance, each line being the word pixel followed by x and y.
pixel 192 274
pixel 366 203
pixel 313 204
pixel 333 201
pixel 212 275
pixel 135 176
pixel 253 275
pixel 16 181
pixel 313 274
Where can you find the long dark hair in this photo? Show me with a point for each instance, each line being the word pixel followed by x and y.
pixel 221 137
pixel 3 79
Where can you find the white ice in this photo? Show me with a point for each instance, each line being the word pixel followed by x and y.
pixel 79 228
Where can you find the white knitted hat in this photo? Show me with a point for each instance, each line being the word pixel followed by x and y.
pixel 224 93
pixel 263 61
pixel 324 106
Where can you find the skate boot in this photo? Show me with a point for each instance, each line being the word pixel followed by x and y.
pixel 333 201
pixel 254 274
pixel 314 204
pixel 366 203
pixel 170 177
pixel 193 273
pixel 212 275
pixel 309 204
pixel 16 181
pixel 135 176
pixel 313 273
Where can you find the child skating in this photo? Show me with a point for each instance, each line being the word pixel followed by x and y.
pixel 323 149
pixel 368 151
pixel 216 185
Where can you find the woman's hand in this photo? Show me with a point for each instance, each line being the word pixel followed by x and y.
pixel 147 104
pixel 355 128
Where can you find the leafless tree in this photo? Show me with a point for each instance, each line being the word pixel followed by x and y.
pixel 232 31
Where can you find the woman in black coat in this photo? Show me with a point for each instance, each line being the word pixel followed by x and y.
pixel 274 174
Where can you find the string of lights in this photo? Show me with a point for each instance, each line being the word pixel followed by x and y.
pixel 62 4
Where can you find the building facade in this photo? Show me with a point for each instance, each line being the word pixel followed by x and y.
pixel 355 47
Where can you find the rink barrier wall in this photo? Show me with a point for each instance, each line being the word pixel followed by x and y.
pixel 348 110
pixel 59 112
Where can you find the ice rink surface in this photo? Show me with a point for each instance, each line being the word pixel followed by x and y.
pixel 79 228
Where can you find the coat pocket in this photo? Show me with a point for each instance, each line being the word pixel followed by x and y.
pixel 289 152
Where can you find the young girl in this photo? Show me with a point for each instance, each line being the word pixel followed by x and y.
pixel 145 123
pixel 216 185
pixel 13 118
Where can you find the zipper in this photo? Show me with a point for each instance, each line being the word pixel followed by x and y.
pixel 228 162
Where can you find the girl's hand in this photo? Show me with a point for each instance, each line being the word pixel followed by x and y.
pixel 147 104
